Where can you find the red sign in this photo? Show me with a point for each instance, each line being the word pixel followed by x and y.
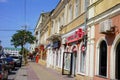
pixel 83 48
pixel 74 49
pixel 76 36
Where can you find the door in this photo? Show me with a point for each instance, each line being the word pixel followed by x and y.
pixel 117 71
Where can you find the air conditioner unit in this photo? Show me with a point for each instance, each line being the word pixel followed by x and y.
pixel 102 30
pixel 64 40
pixel 106 26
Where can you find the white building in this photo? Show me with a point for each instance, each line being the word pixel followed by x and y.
pixel 14 51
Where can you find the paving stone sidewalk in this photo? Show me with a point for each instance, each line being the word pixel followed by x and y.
pixel 35 71
pixel 21 74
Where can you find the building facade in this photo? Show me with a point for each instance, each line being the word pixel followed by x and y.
pixel 82 39
pixel 104 20
pixel 12 51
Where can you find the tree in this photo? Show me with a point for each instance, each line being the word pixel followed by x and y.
pixel 21 38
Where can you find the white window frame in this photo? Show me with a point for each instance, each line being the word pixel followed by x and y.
pixel 97 58
pixel 76 8
pixel 70 13
pixel 79 62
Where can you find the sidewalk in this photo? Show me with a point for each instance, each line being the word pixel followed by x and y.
pixel 35 71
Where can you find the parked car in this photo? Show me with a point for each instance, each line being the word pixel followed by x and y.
pixel 17 60
pixel 3 70
pixel 10 63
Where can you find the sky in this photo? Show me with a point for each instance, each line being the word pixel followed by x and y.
pixel 14 14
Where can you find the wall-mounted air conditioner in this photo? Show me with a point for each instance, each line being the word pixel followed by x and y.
pixel 64 40
pixel 106 26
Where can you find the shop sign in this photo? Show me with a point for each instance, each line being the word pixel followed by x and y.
pixel 75 36
pixel 83 48
pixel 74 49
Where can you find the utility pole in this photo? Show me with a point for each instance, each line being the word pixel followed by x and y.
pixel 1 49
pixel 25 28
pixel 0 46
pixel 0 42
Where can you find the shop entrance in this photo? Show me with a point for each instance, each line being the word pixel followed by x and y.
pixel 69 63
pixel 117 71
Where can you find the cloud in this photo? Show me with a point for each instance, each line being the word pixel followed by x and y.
pixel 2 1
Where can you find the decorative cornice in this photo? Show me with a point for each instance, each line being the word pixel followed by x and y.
pixel 105 15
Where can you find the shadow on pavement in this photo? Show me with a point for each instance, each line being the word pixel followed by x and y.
pixel 12 73
pixel 10 79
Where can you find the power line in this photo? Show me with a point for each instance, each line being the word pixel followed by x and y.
pixel 13 29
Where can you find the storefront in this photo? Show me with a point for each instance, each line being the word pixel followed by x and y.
pixel 71 52
pixel 54 51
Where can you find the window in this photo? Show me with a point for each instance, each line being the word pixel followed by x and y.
pixel 82 62
pixel 83 6
pixel 70 13
pixel 103 59
pixel 62 21
pixel 76 8
pixel 57 57
pixel 59 24
pixel 56 26
pixel 67 61
pixel 52 28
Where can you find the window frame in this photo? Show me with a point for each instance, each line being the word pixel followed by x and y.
pixel 97 59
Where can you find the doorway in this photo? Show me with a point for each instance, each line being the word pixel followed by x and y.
pixel 69 63
pixel 117 69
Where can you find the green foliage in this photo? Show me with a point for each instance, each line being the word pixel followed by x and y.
pixel 22 37
pixel 26 51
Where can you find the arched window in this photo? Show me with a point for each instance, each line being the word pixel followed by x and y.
pixel 103 59
pixel 82 61
pixel 117 69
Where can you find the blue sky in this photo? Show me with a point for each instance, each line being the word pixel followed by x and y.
pixel 12 16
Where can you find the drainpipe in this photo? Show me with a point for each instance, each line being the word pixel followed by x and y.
pixel 85 29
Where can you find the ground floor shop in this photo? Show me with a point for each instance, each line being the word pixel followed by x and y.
pixel 94 58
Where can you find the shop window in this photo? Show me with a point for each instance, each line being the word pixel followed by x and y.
pixel 82 62
pixel 60 59
pixel 57 58
pixel 103 59
pixel 67 61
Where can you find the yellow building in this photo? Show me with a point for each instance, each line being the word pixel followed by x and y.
pixel 72 37
pixel 42 32
pixel 68 17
